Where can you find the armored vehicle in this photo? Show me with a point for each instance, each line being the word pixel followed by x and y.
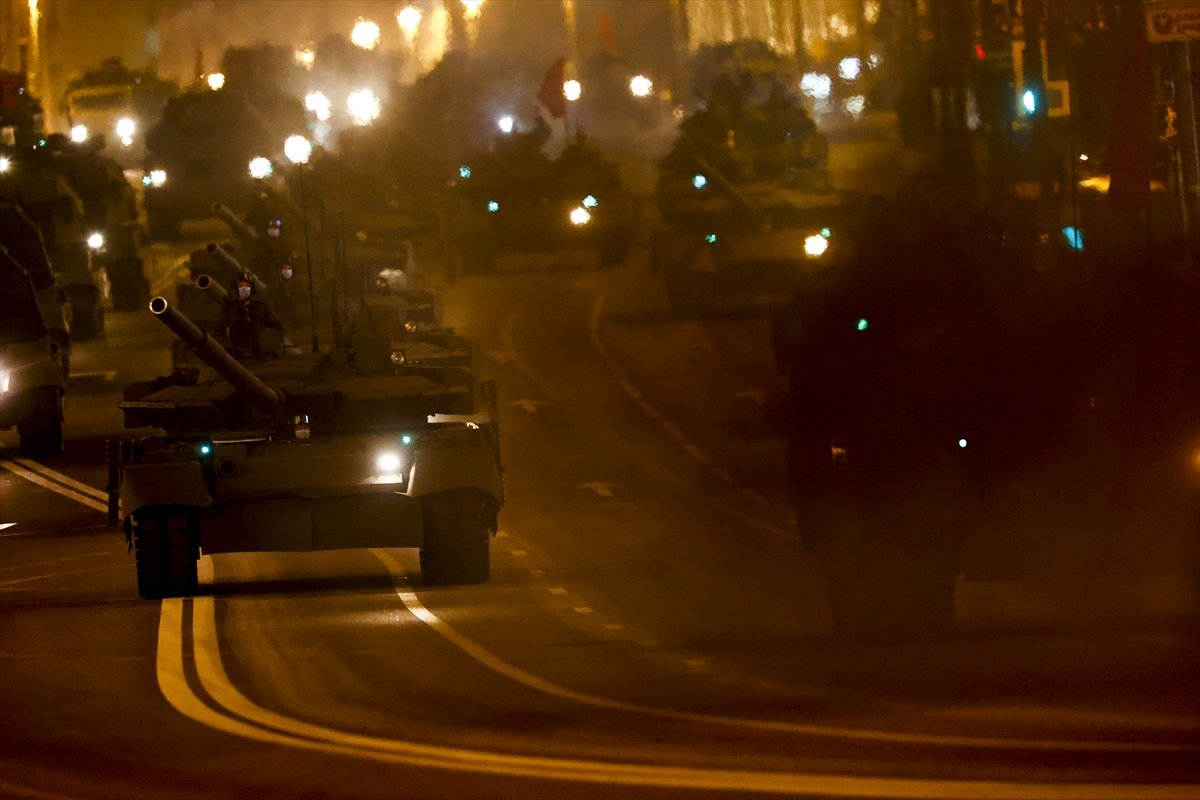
pixel 302 453
pixel 198 153
pixel 59 213
pixel 517 200
pixel 33 369
pixel 115 235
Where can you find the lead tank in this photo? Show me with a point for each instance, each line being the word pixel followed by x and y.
pixel 304 453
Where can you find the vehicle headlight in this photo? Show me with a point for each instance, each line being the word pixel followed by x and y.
pixel 580 216
pixel 5 380
pixel 158 177
pixel 126 127
pixel 96 241
pixel 398 357
pixel 815 245
pixel 387 468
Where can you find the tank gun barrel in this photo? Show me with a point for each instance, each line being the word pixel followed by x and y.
pixel 240 229
pixel 726 186
pixel 263 398
pixel 230 264
pixel 206 283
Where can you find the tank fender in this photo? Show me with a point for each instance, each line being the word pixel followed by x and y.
pixel 441 470
pixel 176 483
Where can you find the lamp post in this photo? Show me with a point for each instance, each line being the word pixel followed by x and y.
pixel 298 150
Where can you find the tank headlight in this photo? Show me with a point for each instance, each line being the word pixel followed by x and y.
pixel 206 449
pixel 815 245
pixel 79 134
pixel 398 358
pixel 96 241
pixel 158 177
pixel 387 463
pixel 580 216
pixel 5 380
pixel 406 439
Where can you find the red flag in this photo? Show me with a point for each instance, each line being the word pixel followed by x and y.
pixel 551 95
pixel 1129 151
pixel 604 25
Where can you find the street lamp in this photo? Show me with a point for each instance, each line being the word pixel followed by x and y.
pixel 409 20
pixel 472 8
pixel 298 150
pixel 318 104
pixel 79 134
pixel 215 81
pixel 641 86
pixel 572 90
pixel 363 106
pixel 505 124
pixel 365 34
pixel 260 168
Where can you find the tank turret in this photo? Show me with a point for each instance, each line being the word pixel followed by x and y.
pixel 264 399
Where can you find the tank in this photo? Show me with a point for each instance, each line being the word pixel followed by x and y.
pixel 514 200
pixel 33 362
pixel 305 453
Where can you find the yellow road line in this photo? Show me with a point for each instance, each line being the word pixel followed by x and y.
pixel 57 488
pixel 496 664
pixel 242 717
pixel 59 477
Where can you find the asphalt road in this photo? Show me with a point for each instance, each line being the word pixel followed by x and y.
pixel 651 629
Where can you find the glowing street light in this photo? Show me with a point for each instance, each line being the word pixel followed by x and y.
pixel 849 68
pixel 580 216
pixel 319 105
pixel 158 177
pixel 816 85
pixel 572 90
pixel 95 241
pixel 297 149
pixel 5 164
pixel 260 168
pixel 409 20
pixel 815 245
pixel 215 81
pixel 306 57
pixel 472 8
pixel 126 127
pixel 79 134
pixel 641 86
pixel 363 106
pixel 365 34
pixel 505 124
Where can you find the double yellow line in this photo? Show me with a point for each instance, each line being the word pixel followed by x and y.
pixel 224 708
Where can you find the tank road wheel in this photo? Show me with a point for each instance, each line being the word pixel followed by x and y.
pixel 166 546
pixel 458 525
pixel 42 434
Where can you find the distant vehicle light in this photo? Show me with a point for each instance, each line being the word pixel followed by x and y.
pixel 862 324
pixel 1083 156
pixel 854 106
pixel 79 134
pixel 126 128
pixel 826 232
pixel 306 57
pixel 505 124
pixel 572 90
pixel 5 164
pixel 1029 101
pixel 580 216
pixel 699 181
pixel 849 68
pixel 1074 237
pixel 96 241
pixel 318 103
pixel 215 81
pixel 260 168
pixel 464 172
pixel 398 357
pixel 158 177
pixel 5 380
pixel 493 206
pixel 590 202
pixel 205 449
pixel 815 245
pixel 711 238
pixel 640 86
pixel 816 85
pixel 962 443
pixel 406 439
pixel 297 149
pixel 126 141
pixel 388 463
pixel 363 106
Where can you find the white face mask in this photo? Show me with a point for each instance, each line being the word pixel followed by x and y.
pixel 243 292
pixel 286 273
